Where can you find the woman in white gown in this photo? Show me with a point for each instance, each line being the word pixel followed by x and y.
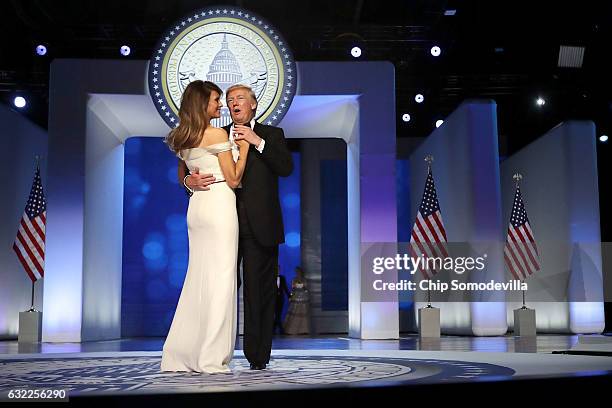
pixel 203 331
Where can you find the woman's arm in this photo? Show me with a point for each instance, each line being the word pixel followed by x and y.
pixel 232 172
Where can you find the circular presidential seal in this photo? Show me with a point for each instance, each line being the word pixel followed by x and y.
pixel 227 46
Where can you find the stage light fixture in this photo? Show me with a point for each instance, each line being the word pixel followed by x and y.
pixel 41 50
pixel 419 98
pixel 439 123
pixel 19 102
pixel 603 138
pixel 356 52
pixel 125 50
pixel 540 101
pixel 436 51
pixel 450 12
pixel 406 117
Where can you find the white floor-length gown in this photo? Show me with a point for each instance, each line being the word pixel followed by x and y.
pixel 203 331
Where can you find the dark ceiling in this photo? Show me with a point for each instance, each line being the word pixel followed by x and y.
pixel 504 50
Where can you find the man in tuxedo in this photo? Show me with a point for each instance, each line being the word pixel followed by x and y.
pixel 259 217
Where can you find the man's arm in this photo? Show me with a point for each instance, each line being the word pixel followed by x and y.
pixel 182 171
pixel 276 153
pixel 193 181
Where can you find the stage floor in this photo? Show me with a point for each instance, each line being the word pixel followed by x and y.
pixel 129 368
pixel 507 344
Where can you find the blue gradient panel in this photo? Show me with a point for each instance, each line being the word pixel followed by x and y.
pixel 289 254
pixel 404 220
pixel 155 241
pixel 155 244
pixel 334 241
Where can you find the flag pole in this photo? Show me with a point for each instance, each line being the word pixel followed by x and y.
pixel 32 305
pixel 32 309
pixel 517 178
pixel 429 159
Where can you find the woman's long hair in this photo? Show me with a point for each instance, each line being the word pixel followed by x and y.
pixel 193 116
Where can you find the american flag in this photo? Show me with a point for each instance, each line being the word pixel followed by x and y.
pixel 29 244
pixel 428 234
pixel 520 251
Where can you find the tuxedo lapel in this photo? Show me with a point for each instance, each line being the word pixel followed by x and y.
pixel 259 130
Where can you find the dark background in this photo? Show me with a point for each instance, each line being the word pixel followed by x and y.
pixel 505 50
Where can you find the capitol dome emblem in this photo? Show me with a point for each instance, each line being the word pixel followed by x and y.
pixel 228 46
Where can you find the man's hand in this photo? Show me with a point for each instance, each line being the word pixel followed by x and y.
pixel 242 132
pixel 199 182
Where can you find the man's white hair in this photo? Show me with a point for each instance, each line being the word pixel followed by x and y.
pixel 241 86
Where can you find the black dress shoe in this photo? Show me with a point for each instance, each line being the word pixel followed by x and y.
pixel 258 366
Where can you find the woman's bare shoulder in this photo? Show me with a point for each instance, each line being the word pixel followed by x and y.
pixel 214 135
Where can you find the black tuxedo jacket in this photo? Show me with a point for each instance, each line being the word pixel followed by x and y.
pixel 260 184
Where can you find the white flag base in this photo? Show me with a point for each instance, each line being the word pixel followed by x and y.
pixel 30 327
pixel 429 322
pixel 524 322
pixel 593 344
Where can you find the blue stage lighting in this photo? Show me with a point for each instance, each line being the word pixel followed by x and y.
pixel 41 50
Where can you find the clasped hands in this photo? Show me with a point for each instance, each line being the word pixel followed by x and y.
pixel 245 133
pixel 243 136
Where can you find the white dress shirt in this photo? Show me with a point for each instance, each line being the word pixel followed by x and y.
pixel 236 150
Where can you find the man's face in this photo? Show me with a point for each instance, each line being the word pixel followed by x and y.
pixel 241 106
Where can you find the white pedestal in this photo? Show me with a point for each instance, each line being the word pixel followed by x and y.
pixel 593 344
pixel 30 327
pixel 524 322
pixel 429 322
